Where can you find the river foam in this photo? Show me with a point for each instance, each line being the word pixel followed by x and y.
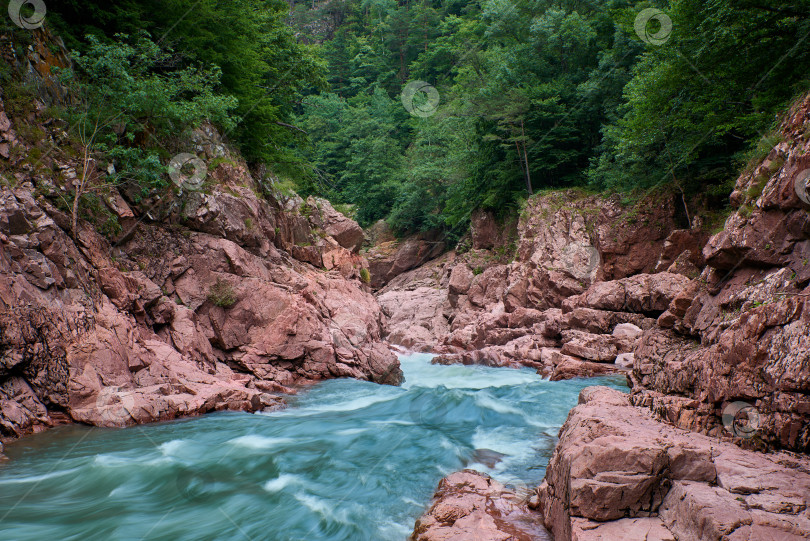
pixel 348 460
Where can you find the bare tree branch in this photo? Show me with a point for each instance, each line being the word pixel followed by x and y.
pixel 291 127
pixel 783 10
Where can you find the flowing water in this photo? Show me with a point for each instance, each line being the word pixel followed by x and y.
pixel 349 460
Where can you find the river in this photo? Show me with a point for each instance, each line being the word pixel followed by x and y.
pixel 348 460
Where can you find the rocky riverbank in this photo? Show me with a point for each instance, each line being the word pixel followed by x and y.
pixel 618 473
pixel 112 335
pixel 197 301
pixel 714 330
pixel 472 505
pixel 589 275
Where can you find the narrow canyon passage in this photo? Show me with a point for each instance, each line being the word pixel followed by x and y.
pixel 347 460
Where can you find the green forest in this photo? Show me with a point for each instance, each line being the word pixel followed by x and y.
pixel 418 112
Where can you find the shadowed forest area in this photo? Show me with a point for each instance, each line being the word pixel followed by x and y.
pixel 527 95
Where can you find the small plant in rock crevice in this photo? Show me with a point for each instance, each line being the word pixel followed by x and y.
pixel 222 294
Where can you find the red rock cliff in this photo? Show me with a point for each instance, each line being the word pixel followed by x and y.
pixel 207 301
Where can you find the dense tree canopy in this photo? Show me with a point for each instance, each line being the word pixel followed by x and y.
pixel 540 94
pixel 532 94
pixel 261 63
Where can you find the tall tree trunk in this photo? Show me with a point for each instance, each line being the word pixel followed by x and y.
pixel 425 23
pixel 526 160
pixel 74 216
pixel 80 187
pixel 528 174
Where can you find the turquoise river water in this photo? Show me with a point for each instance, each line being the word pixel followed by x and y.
pixel 348 460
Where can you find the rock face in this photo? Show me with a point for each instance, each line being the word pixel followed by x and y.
pixel 225 302
pixel 391 258
pixel 486 233
pixel 741 331
pixel 345 231
pixel 714 332
pixel 617 473
pixel 417 308
pixel 475 308
pixel 471 505
pixel 727 364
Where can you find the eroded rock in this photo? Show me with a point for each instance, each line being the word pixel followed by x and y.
pixel 116 335
pixel 472 505
pixel 615 462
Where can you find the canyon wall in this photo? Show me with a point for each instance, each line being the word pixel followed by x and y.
pixel 528 302
pixel 741 331
pixel 198 301
pixel 711 328
pixel 595 285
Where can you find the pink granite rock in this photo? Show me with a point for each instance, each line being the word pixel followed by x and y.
pixel 470 505
pixel 615 461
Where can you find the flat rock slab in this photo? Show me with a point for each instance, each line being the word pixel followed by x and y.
pixel 616 468
pixel 626 529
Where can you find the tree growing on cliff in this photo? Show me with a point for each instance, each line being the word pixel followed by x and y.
pixel 696 103
pixel 127 109
pixel 256 58
pixel 87 182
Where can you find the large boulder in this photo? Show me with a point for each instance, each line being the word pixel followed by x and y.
pixel 615 461
pixel 642 293
pixel 593 237
pixel 417 305
pixel 472 505
pixel 390 259
pixel 344 230
pixel 461 278
pixel 415 317
pixel 593 347
pixel 484 229
pixel 487 232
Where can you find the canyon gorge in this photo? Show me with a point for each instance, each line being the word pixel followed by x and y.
pixel 236 298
